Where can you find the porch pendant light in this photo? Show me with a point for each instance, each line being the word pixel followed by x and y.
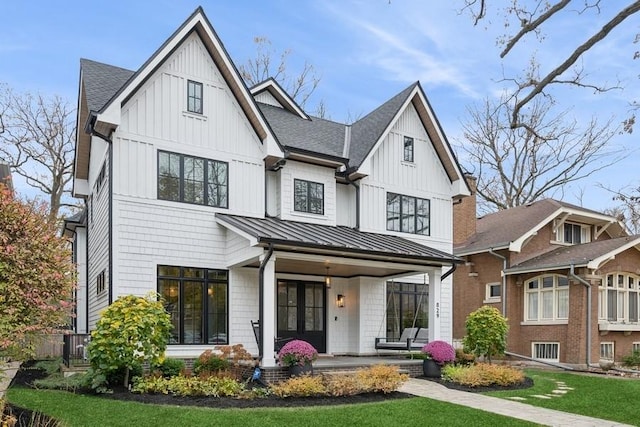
pixel 327 279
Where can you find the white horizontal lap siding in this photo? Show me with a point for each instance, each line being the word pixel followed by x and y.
pixel 98 235
pixel 149 234
pixel 297 170
pixel 372 313
pixel 345 205
pixel 243 307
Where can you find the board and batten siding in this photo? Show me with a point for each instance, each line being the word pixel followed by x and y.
pixel 324 175
pixel 424 178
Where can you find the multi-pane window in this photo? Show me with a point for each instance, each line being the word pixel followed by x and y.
pixel 607 350
pixel 619 299
pixel 549 351
pixel 183 178
pixel 407 307
pixel 547 298
pixel 194 97
pixel 573 234
pixel 408 149
pixel 308 196
pixel 100 282
pixel 197 301
pixel 407 214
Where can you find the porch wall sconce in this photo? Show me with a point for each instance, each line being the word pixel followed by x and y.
pixel 327 279
pixel 340 300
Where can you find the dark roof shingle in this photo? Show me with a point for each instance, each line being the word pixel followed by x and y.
pixel 101 82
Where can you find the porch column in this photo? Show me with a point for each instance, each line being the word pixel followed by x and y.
pixel 267 322
pixel 435 309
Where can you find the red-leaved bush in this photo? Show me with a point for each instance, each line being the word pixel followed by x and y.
pixel 36 275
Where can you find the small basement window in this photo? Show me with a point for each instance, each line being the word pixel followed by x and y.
pixel 547 351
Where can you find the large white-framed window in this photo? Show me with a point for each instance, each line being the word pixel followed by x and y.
pixel 548 351
pixel 619 298
pixel 607 350
pixel 546 298
pixel 493 292
pixel 573 234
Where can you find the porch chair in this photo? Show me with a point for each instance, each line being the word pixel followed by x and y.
pixel 278 342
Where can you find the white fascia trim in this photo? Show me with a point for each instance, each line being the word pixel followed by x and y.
pixel 269 86
pixel 80 187
pixel 252 240
pixel 479 251
pixel 598 262
pixel 516 245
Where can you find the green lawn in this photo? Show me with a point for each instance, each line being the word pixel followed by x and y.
pixel 79 410
pixel 610 398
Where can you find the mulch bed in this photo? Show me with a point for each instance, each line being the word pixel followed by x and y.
pixel 27 374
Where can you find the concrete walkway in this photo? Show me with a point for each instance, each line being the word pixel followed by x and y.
pixel 522 411
pixel 7 372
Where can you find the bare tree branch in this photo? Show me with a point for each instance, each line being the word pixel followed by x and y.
pixel 38 143
pixel 518 166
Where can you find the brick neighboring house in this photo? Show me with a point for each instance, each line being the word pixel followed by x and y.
pixel 566 277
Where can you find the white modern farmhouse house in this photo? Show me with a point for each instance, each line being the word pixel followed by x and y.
pixel 236 206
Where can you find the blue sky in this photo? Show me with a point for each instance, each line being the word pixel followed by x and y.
pixel 365 52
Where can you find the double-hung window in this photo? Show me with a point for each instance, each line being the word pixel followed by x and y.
pixel 573 234
pixel 197 301
pixel 189 179
pixel 194 97
pixel 407 214
pixel 619 299
pixel 547 298
pixel 308 196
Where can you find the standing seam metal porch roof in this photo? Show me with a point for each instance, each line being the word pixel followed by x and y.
pixel 334 238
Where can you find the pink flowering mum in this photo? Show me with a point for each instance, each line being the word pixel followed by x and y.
pixel 297 352
pixel 440 351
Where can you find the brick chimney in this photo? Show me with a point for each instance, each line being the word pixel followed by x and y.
pixel 464 214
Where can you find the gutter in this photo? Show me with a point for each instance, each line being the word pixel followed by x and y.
pixel 357 187
pixel 588 286
pixel 504 280
pixel 263 264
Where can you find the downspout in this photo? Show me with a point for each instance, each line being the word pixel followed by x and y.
pixel 588 286
pixel 357 187
pixel 450 272
pixel 263 264
pixel 110 210
pixel 504 280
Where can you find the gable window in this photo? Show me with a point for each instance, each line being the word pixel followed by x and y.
pixel 183 178
pixel 573 234
pixel 408 149
pixel 407 214
pixel 194 97
pixel 197 301
pixel 493 292
pixel 308 196
pixel 547 298
pixel 619 298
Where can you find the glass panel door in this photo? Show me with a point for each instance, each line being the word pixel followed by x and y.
pixel 301 312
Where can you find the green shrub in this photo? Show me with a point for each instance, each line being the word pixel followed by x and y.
pixel 189 386
pixel 131 331
pixel 482 374
pixel 170 367
pixel 632 360
pixel 300 386
pixel 57 381
pixel 486 333
pixel 209 363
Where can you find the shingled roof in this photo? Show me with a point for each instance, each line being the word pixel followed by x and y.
pixel 497 230
pixel 577 255
pixel 101 82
